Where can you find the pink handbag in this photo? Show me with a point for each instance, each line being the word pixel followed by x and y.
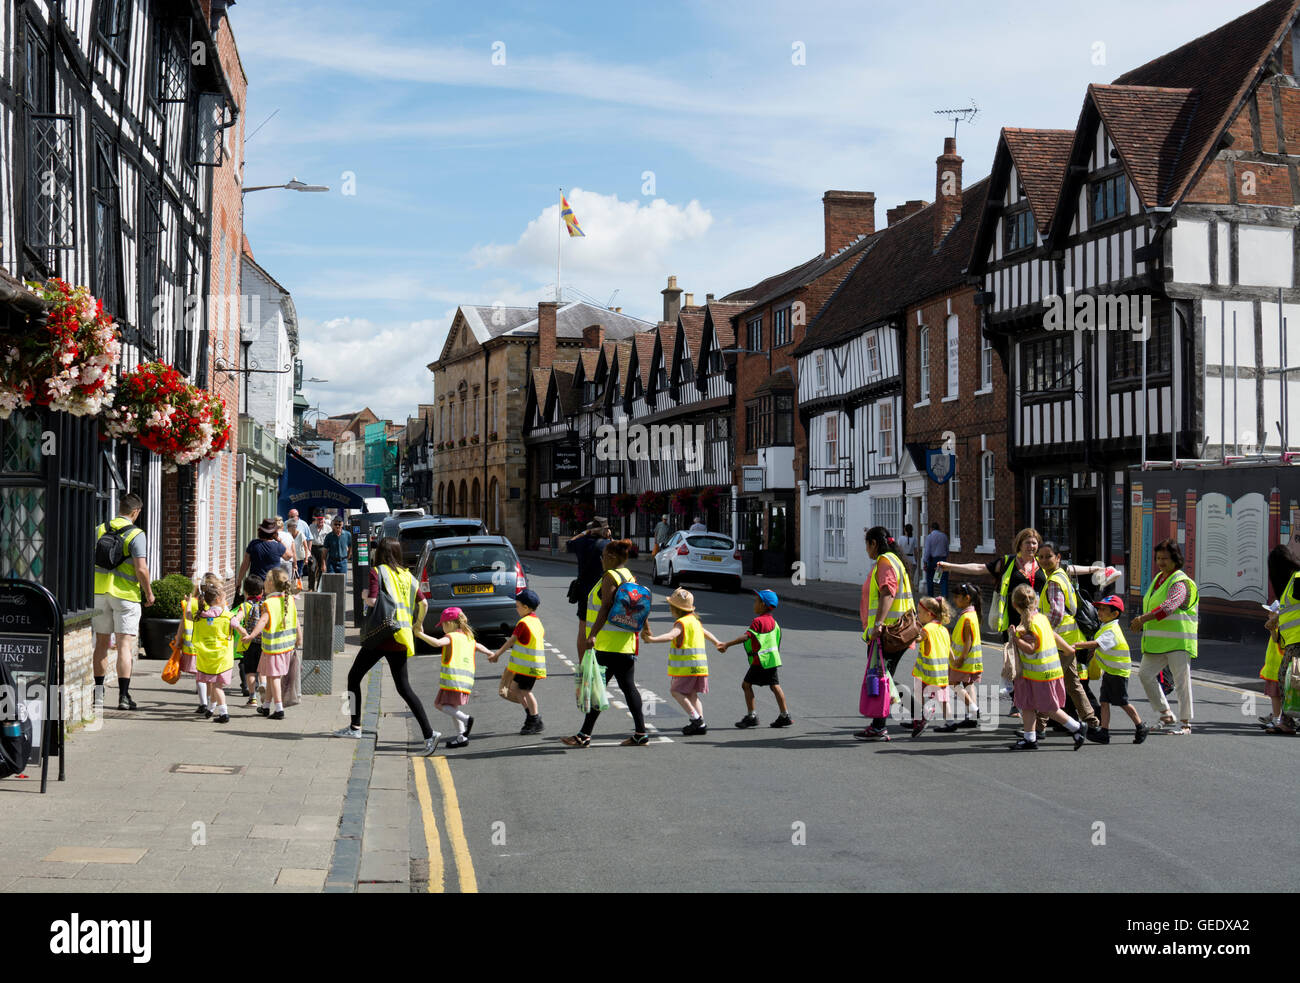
pixel 875 700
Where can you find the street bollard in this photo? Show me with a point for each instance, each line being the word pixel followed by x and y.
pixel 318 644
pixel 337 584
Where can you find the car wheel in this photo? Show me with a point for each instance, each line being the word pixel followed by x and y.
pixel 735 586
pixel 654 575
pixel 673 580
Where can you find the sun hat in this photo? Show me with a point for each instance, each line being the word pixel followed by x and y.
pixel 682 600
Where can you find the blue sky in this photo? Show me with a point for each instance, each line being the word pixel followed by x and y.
pixel 456 160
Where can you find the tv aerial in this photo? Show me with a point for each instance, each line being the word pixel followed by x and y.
pixel 959 116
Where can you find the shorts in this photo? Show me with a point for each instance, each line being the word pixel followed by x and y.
pixel 758 676
pixel 1114 690
pixel 525 683
pixel 249 660
pixel 113 614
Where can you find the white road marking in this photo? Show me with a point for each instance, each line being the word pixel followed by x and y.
pixel 647 696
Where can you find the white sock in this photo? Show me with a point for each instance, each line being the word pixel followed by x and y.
pixel 203 692
pixel 461 716
pixel 278 706
pixel 1031 736
pixel 1072 725
pixel 455 714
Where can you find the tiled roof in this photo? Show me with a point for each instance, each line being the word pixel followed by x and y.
pixel 329 429
pixel 691 320
pixel 795 277
pixel 1041 157
pixel 900 267
pixel 645 350
pixel 1149 127
pixel 573 318
pixel 589 357
pixel 541 379
pixel 720 314
pixel 489 322
pixel 780 381
pixel 563 381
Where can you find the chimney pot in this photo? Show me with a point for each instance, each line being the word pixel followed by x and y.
pixel 708 298
pixel 689 300
pixel 847 215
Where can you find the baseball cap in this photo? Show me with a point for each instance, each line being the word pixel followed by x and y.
pixel 1112 601
pixel 449 614
pixel 529 598
pixel 768 597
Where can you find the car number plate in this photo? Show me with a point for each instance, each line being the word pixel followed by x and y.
pixel 472 589
pixel 715 559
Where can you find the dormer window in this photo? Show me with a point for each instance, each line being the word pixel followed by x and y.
pixel 1021 230
pixel 1109 198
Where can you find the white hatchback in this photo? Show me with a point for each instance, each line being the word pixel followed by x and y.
pixel 708 557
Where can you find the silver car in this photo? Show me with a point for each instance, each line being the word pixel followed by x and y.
pixel 478 574
pixel 706 557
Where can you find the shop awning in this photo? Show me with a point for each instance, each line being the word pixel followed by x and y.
pixel 305 487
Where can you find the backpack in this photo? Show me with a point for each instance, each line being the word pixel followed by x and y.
pixel 15 727
pixel 111 550
pixel 630 609
pixel 1086 618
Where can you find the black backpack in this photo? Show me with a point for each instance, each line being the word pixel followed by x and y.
pixel 1086 618
pixel 111 549
pixel 15 727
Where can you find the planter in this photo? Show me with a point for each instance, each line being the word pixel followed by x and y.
pixel 156 636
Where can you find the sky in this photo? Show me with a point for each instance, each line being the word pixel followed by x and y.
pixel 691 139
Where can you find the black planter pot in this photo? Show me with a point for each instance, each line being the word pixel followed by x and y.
pixel 156 636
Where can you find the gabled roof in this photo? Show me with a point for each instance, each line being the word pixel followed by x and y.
pixel 645 351
pixel 563 373
pixel 1149 127
pixel 573 318
pixel 491 322
pixel 690 322
pixel 1040 157
pixel 719 315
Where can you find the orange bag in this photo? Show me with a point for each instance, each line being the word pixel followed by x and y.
pixel 172 670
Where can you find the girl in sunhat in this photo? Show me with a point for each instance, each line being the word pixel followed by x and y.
pixel 457 671
pixel 688 662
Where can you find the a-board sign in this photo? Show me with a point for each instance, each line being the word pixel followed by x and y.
pixel 26 656
pixel 31 647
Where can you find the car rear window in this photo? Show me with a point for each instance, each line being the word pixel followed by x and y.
pixel 709 542
pixel 413 538
pixel 471 559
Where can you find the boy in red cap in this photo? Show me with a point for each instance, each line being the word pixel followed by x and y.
pixel 1112 653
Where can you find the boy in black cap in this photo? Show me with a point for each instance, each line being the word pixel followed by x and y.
pixel 527 646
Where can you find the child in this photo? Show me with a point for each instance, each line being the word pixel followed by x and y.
pixel 527 659
pixel 185 637
pixel 763 645
pixel 1112 652
pixel 281 635
pixel 1037 685
pixel 967 661
pixel 933 653
pixel 246 616
pixel 1277 723
pixel 688 662
pixel 457 671
pixel 214 638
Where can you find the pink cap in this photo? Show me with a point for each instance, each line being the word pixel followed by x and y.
pixel 449 614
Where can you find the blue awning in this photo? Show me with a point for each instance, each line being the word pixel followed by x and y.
pixel 305 487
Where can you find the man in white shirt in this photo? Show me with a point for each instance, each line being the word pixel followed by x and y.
pixel 319 530
pixel 301 544
pixel 698 526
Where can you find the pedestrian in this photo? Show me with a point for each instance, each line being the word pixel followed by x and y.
pixel 1059 601
pixel 527 645
pixel 246 615
pixel 589 547
pixel 1113 655
pixel 457 672
pixel 121 584
pixel 688 659
pixel 967 661
pixel 281 635
pixel 886 597
pixel 214 647
pixel 1273 676
pixel 934 558
pixel 762 641
pixel 1284 630
pixel 338 547
pixel 263 554
pixel 698 525
pixel 301 550
pixel 286 540
pixel 931 667
pixel 184 639
pixel 1168 623
pixel 907 550
pixel 663 533
pixel 1038 686
pixel 318 531
pixel 615 650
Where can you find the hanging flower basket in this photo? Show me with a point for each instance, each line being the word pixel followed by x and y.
pixel 709 497
pixel 652 503
pixel 624 504
pixel 66 362
pixel 582 512
pixel 563 511
pixel 163 413
pixel 683 501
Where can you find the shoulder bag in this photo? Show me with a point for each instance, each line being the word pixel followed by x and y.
pixel 381 620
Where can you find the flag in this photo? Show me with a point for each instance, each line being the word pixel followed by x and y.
pixel 570 220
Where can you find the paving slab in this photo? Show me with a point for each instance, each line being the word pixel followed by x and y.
pixel 96 855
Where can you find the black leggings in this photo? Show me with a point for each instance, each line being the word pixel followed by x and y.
pixel 366 660
pixel 623 666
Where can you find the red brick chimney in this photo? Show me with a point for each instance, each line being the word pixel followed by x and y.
pixel 907 208
pixel 546 333
pixel 947 190
pixel 593 336
pixel 849 214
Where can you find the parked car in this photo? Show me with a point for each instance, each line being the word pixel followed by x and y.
pixel 704 557
pixel 478 574
pixel 414 531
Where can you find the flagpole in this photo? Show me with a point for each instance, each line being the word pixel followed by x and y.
pixel 559 229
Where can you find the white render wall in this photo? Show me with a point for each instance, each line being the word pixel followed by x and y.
pixel 263 322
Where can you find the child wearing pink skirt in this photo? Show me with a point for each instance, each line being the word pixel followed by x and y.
pixel 213 640
pixel 688 667
pixel 185 637
pixel 459 646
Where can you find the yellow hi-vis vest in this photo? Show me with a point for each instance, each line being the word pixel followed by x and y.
pixel 214 647
pixel 403 591
pixel 1177 633
pixel 1117 661
pixel 529 658
pixel 189 609
pixel 121 580
pixel 609 639
pixel 968 643
pixel 1001 598
pixel 932 660
pixel 1044 663
pixel 458 670
pixel 903 601
pixel 1068 628
pixel 687 655
pixel 281 632
pixel 1272 661
pixel 1288 613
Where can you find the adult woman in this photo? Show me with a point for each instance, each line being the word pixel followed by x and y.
pixel 1168 623
pixel 400 586
pixel 616 651
pixel 886 597
pixel 263 554
pixel 283 535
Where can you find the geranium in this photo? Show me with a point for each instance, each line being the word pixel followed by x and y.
pixel 64 361
pixel 683 501
pixel 623 504
pixel 709 496
pixel 179 422
pixel 652 502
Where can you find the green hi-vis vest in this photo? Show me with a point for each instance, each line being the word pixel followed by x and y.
pixel 214 648
pixel 529 659
pixel 1288 614
pixel 246 615
pixel 458 671
pixel 1044 663
pixel 281 632
pixel 687 656
pixel 767 647
pixel 120 581
pixel 1068 628
pixel 403 591
pixel 1117 661
pixel 1177 633
pixel 932 660
pixel 609 639
pixel 903 601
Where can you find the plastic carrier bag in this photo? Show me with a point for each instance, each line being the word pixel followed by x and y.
pixel 591 684
pixel 1291 691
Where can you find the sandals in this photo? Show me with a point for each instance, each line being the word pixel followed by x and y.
pixel 577 740
pixel 636 740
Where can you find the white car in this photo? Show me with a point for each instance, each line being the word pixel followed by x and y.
pixel 709 557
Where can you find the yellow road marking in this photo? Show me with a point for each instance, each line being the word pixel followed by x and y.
pixel 455 828
pixel 432 841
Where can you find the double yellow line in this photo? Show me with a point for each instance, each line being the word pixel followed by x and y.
pixel 455 828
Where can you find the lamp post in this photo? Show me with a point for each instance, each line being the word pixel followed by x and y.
pixel 293 185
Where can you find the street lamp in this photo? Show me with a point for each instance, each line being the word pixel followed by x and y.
pixel 294 185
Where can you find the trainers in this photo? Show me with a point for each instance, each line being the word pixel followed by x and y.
pixel 748 720
pixel 1024 745
pixel 353 732
pixel 431 743
pixel 278 715
pixel 918 726
pixel 251 701
pixel 781 721
pixel 459 741
pixel 1140 734
pixel 533 725
pixel 872 734
pixel 125 702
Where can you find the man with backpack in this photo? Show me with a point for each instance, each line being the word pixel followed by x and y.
pixel 121 584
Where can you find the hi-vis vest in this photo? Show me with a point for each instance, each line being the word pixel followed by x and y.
pixel 903 601
pixel 609 639
pixel 189 609
pixel 1272 661
pixel 458 670
pixel 1288 613
pixel 967 642
pixel 1001 598
pixel 1177 633
pixel 687 656
pixel 529 659
pixel 120 581
pixel 1068 628
pixel 1044 663
pixel 1117 661
pixel 214 644
pixel 247 615
pixel 932 660
pixel 766 647
pixel 402 585
pixel 281 632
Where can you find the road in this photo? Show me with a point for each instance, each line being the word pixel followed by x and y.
pixel 810 809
